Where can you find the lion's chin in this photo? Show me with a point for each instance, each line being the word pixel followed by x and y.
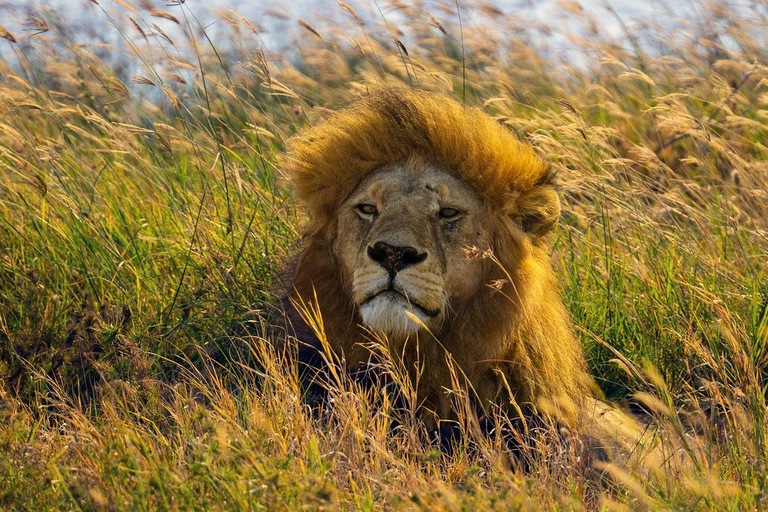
pixel 386 313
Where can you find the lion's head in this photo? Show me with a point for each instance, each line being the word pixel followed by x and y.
pixel 405 232
pixel 426 215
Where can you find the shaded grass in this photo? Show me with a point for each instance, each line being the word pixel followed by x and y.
pixel 142 218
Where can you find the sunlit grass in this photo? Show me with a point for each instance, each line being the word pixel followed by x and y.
pixel 144 223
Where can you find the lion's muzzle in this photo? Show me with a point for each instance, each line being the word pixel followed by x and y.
pixel 386 299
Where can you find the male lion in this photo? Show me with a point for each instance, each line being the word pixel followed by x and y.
pixel 403 190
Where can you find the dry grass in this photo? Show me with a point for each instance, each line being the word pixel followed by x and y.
pixel 143 221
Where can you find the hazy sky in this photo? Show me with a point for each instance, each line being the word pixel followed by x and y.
pixel 653 10
pixel 609 15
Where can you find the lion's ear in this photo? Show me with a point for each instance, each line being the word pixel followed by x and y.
pixel 538 210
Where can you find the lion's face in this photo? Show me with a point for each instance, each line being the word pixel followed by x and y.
pixel 401 240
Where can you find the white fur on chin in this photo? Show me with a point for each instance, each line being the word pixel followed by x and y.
pixel 387 314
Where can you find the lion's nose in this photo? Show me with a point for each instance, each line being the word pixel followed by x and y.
pixel 394 258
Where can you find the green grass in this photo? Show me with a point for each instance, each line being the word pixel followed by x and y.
pixel 143 219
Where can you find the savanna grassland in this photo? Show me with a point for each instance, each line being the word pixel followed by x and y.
pixel 144 222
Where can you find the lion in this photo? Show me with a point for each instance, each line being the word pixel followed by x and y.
pixel 428 225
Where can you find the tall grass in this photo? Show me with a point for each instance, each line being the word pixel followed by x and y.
pixel 144 221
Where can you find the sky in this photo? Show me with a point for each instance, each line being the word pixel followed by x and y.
pixel 615 18
pixel 660 11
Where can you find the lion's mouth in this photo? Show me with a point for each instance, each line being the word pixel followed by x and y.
pixel 391 291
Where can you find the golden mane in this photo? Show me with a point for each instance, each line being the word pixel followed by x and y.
pixel 514 334
pixel 325 162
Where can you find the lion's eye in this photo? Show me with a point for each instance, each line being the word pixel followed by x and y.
pixel 367 209
pixel 449 213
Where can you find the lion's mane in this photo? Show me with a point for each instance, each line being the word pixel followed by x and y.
pixel 514 335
